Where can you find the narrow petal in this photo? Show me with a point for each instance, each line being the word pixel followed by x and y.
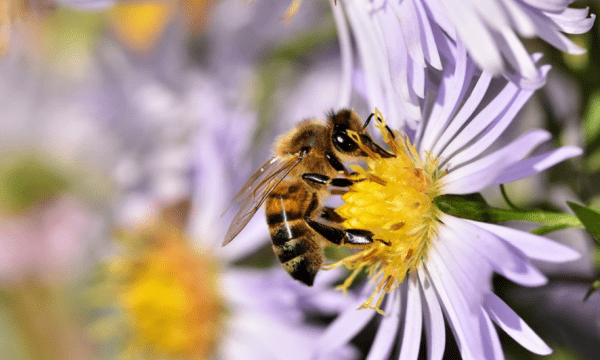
pixel 345 54
pixel 520 20
pixel 549 5
pixel 492 347
pixel 513 50
pixel 533 246
pixel 451 93
pixel 537 164
pixel 435 330
pixel 430 48
pixel 478 243
pixel 504 259
pixel 482 120
pixel 476 35
pixel 573 21
pixel 465 112
pixel 346 326
pixel 388 329
pixel 479 174
pixel 461 309
pixel 409 22
pixel 513 325
pixel 413 321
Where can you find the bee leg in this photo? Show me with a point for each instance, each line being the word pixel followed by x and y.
pixel 386 127
pixel 341 237
pixel 335 163
pixel 320 179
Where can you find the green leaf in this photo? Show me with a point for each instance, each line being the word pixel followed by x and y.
pixel 590 219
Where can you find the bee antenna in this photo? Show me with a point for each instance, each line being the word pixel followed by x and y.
pixel 368 120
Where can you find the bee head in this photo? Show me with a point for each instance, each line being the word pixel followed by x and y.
pixel 345 120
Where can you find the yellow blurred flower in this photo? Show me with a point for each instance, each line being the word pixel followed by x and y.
pixel 167 293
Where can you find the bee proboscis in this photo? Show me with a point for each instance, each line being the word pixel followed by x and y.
pixel 294 183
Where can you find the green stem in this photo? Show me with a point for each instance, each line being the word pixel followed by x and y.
pixel 543 217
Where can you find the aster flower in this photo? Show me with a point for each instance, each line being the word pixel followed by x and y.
pixel 428 265
pixel 397 41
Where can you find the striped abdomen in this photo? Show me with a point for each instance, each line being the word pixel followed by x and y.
pixel 294 242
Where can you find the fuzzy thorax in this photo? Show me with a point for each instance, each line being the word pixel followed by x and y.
pixel 393 199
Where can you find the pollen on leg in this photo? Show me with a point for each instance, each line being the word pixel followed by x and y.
pixel 395 203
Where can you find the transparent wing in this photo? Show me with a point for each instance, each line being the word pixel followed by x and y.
pixel 255 191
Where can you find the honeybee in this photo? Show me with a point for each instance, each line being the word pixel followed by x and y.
pixel 294 183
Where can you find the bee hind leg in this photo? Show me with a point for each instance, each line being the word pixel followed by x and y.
pixel 341 237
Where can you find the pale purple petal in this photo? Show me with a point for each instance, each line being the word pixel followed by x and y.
pixel 388 328
pixel 480 244
pixel 346 325
pixel 537 164
pixel 520 19
pixel 482 120
pixel 435 330
pixel 430 49
pixel 533 246
pixel 513 325
pixel 452 90
pixel 411 30
pixel 517 55
pixel 413 320
pixel 479 174
pixel 573 21
pixel 492 347
pixel 475 34
pixel 465 112
pixel 548 5
pixel 345 55
pixel 461 308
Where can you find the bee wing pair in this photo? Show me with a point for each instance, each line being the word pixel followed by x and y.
pixel 255 191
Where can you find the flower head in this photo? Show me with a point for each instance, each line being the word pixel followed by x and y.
pixel 425 263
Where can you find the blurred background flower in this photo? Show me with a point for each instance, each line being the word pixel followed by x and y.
pixel 127 126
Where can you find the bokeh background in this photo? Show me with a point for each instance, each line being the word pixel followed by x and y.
pixel 126 128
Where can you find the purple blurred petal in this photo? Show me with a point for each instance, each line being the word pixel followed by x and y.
pixel 346 325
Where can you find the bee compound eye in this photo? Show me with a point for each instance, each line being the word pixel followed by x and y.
pixel 343 142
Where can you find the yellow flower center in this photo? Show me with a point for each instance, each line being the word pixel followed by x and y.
pixel 394 200
pixel 170 297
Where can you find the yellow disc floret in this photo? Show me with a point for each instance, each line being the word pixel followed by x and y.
pixel 393 198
